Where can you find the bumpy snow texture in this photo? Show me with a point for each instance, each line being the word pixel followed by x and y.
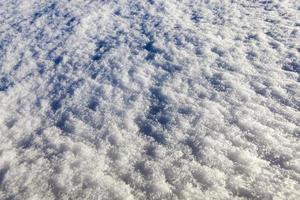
pixel 157 99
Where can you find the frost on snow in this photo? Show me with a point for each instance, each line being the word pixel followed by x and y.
pixel 157 99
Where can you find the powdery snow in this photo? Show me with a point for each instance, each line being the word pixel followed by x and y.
pixel 157 99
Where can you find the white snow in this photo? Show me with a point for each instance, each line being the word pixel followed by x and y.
pixel 157 99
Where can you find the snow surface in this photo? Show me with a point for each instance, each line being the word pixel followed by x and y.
pixel 157 99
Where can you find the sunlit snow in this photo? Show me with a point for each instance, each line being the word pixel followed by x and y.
pixel 157 99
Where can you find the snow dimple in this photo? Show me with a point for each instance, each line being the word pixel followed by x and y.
pixel 5 83
pixel 65 124
pixel 149 99
pixel 101 48
pixel 157 117
pixel 58 60
pixel 292 67
pixel 196 17
pixel 216 82
pixel 152 50
pixel 93 104
pixel 3 172
pixel 44 10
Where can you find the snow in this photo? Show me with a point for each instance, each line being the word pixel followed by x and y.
pixel 132 99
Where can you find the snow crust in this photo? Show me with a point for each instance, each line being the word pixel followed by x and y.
pixel 157 99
